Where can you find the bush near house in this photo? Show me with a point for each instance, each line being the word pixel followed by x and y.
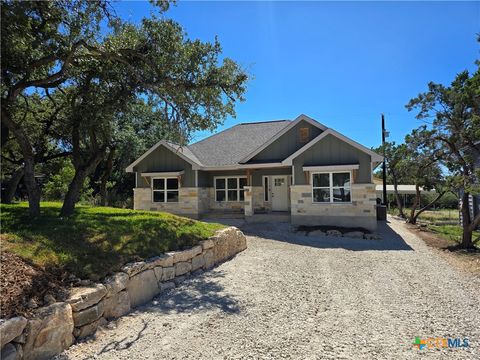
pixel 95 241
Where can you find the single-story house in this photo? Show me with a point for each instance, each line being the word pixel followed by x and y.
pixel 300 168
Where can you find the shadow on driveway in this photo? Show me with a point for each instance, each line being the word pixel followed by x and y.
pixel 200 292
pixel 286 232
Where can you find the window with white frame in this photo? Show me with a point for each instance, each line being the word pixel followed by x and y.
pixel 165 189
pixel 230 188
pixel 331 187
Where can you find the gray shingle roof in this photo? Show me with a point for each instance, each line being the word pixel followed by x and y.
pixel 228 147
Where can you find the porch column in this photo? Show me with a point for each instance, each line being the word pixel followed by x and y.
pixel 248 202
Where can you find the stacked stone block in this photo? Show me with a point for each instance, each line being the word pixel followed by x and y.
pixel 55 327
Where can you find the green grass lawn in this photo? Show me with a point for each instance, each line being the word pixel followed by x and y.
pixel 95 241
pixel 452 232
pixel 432 215
pixel 433 218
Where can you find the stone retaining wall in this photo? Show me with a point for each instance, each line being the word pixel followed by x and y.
pixel 55 327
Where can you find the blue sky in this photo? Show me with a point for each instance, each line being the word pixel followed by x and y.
pixel 342 63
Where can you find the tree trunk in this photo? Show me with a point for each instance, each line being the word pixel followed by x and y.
pixel 81 173
pixel 32 187
pixel 105 177
pixel 397 198
pixel 413 219
pixel 12 186
pixel 467 224
pixel 73 193
pixel 428 206
pixel 467 238
pixel 29 162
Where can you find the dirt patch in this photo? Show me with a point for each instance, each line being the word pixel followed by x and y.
pixel 325 228
pixel 462 259
pixel 22 285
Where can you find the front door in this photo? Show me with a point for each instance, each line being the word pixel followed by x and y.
pixel 279 193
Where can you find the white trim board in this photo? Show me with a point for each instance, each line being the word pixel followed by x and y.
pixel 331 167
pixel 301 117
pixel 241 166
pixel 374 156
pixel 163 174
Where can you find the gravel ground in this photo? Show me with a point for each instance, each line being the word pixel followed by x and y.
pixel 291 296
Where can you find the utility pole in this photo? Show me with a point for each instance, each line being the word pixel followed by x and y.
pixel 384 166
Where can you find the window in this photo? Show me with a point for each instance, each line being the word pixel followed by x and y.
pixel 279 181
pixel 165 189
pixel 230 188
pixel 304 134
pixel 331 187
pixel 265 188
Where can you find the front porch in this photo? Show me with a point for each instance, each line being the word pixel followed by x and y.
pixel 263 195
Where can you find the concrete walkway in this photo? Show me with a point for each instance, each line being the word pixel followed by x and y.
pixel 291 296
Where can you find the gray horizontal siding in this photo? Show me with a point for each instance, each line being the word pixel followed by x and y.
pixel 206 178
pixel 333 151
pixel 258 174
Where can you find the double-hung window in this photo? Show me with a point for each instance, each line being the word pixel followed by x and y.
pixel 230 188
pixel 165 190
pixel 331 187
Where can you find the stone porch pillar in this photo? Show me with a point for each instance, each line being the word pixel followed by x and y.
pixel 248 202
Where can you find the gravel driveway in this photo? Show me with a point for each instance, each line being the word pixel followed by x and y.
pixel 291 296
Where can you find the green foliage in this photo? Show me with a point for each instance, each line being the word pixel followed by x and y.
pixel 96 241
pixel 57 185
pixel 453 233
pixel 448 201
pixel 454 112
pixel 92 68
pixel 397 170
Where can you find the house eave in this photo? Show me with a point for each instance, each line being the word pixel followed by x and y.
pixel 242 166
pixel 163 173
pixel 321 168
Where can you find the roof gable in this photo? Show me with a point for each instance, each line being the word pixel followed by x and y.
pixel 286 144
pixel 374 156
pixel 285 130
pixel 182 151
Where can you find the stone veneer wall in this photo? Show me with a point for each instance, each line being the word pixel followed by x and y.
pixel 188 204
pixel 223 205
pixel 192 202
pixel 359 213
pixel 258 200
pixel 203 200
pixel 55 327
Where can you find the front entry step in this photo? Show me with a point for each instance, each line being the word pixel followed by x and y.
pixel 269 217
pixel 223 215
